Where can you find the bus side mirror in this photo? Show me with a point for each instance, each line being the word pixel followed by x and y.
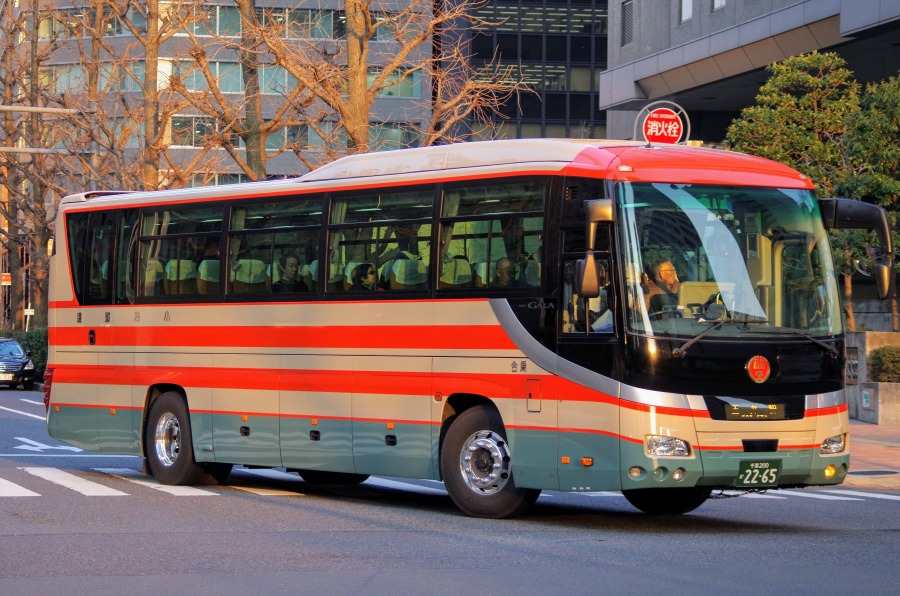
pixel 590 276
pixel 597 211
pixel 847 213
pixel 882 274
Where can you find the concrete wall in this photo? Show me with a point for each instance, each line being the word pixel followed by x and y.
pixel 876 403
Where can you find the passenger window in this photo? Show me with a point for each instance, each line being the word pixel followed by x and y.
pixel 492 236
pixel 388 233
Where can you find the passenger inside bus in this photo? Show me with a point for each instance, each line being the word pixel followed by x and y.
pixel 289 279
pixel 363 277
pixel 505 274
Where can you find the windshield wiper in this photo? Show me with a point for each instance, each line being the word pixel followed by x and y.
pixel 681 351
pixel 827 347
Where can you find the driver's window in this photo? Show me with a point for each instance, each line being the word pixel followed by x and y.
pixel 586 315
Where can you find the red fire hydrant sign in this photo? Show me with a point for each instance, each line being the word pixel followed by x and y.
pixel 663 125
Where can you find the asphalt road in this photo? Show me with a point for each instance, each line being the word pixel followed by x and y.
pixel 72 522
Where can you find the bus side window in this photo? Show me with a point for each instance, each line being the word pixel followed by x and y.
pixel 586 315
pixel 99 261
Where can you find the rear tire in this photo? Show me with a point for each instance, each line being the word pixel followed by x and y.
pixel 322 477
pixel 169 447
pixel 476 465
pixel 667 501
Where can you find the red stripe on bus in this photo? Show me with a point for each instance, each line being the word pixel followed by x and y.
pixel 422 337
pixel 827 411
pixel 741 448
pixel 668 410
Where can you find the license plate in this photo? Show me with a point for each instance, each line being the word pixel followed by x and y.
pixel 6 377
pixel 759 473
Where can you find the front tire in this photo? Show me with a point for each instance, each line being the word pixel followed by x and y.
pixel 667 501
pixel 169 447
pixel 476 465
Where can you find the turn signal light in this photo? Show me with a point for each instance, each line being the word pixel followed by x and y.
pixel 829 472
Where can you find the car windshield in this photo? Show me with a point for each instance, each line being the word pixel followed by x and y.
pixel 748 256
pixel 8 348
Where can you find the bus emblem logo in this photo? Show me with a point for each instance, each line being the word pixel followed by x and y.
pixel 758 368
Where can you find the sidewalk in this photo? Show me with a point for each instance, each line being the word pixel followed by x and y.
pixel 874 456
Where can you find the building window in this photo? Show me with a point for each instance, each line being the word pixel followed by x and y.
pixel 717 4
pixel 228 76
pixel 387 136
pixel 687 10
pixel 628 22
pixel 192 131
pixel 399 83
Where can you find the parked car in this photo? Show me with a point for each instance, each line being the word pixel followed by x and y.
pixel 16 367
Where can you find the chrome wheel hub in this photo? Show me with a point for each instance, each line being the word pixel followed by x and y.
pixel 484 462
pixel 167 439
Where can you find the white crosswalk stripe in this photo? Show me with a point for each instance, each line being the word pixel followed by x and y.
pixel 76 483
pixel 138 478
pixel 10 489
pixel 278 483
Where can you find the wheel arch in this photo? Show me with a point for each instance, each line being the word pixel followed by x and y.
pixel 457 403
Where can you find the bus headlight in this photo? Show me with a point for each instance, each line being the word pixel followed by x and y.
pixel 667 446
pixel 833 444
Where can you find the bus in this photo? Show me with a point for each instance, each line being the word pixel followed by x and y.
pixel 479 314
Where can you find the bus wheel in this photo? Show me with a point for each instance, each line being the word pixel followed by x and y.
pixel 667 501
pixel 476 466
pixel 322 477
pixel 170 452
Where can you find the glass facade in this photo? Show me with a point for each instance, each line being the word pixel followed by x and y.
pixel 560 48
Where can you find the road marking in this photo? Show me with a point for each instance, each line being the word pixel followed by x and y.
pixel 9 489
pixel 23 413
pixel 35 446
pixel 138 478
pixel 269 475
pixel 31 401
pixel 811 495
pixel 76 483
pixel 859 493
pixel 267 492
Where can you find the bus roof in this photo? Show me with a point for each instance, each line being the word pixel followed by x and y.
pixel 616 160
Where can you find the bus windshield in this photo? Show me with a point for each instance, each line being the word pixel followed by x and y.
pixel 697 255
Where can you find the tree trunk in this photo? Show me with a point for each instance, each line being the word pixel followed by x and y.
pixel 356 121
pixel 253 120
pixel 150 159
pixel 848 302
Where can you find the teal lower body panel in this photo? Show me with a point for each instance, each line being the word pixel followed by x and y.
pixel 323 445
pixel 639 471
pixel 798 467
pixel 534 458
pixel 406 450
pixel 720 469
pixel 75 426
pixel 119 431
pixel 600 471
pixel 254 441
